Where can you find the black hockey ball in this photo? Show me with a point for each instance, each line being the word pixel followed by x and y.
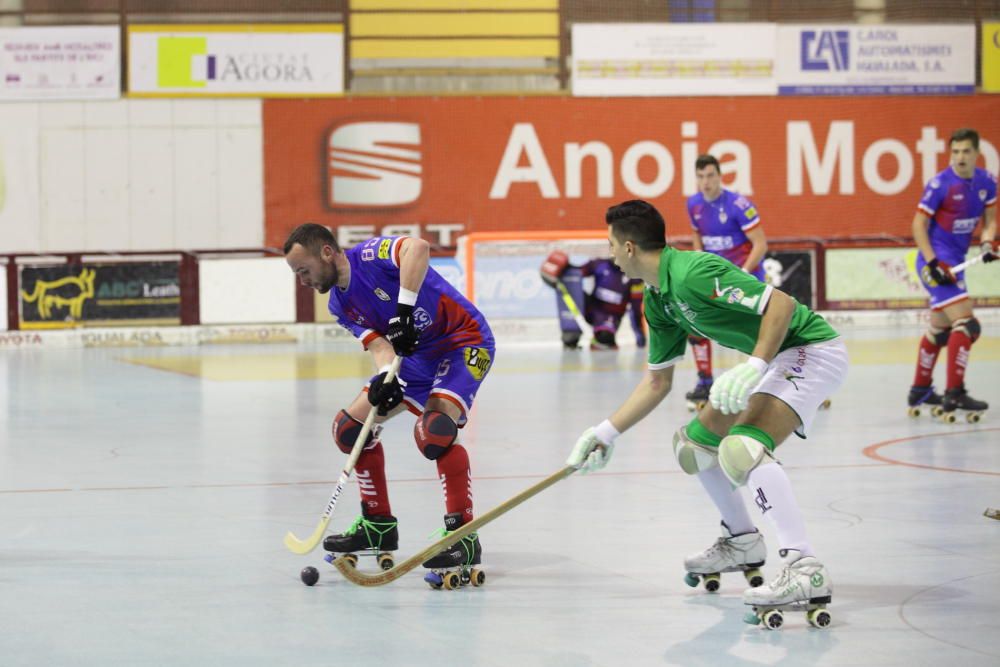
pixel 309 575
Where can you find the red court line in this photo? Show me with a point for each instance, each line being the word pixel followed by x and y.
pixel 871 451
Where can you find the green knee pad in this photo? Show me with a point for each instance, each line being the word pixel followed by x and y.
pixel 696 448
pixel 743 450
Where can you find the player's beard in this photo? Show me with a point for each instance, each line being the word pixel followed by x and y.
pixel 328 284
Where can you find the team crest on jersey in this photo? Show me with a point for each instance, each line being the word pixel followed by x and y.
pixel 477 361
pixel 383 248
pixel 735 295
pixel 935 183
pixel 722 216
pixel 422 319
pixel 380 293
pixel 982 195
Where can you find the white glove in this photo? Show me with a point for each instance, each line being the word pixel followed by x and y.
pixel 593 450
pixel 730 392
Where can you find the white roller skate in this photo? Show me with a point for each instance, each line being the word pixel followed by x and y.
pixel 731 553
pixel 802 585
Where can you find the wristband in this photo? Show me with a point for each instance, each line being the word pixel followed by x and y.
pixel 758 364
pixel 606 432
pixel 406 297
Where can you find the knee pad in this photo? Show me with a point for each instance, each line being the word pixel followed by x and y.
pixel 693 457
pixel 938 336
pixel 435 432
pixel 739 454
pixel 346 430
pixel 971 327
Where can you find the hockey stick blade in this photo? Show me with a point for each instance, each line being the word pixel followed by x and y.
pixel 302 547
pixel 355 576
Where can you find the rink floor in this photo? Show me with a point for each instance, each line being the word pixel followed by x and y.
pixel 144 494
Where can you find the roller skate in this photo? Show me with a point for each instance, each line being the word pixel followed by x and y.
pixel 959 399
pixel 456 566
pixel 376 536
pixel 698 397
pixel 924 396
pixel 731 553
pixel 802 585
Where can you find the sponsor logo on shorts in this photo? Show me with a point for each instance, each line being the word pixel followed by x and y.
pixel 478 361
pixel 380 293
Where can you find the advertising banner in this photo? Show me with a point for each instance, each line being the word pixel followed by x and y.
pixel 885 59
pixel 442 167
pixel 792 272
pixel 280 60
pixel 60 63
pixel 657 59
pixel 66 296
pixel 878 278
pixel 991 57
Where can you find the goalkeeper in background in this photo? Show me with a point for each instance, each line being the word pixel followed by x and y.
pixel 600 293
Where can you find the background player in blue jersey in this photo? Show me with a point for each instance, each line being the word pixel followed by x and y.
pixel 947 215
pixel 602 294
pixel 725 224
pixel 384 292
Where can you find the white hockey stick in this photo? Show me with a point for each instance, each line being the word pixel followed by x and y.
pixel 967 263
pixel 302 547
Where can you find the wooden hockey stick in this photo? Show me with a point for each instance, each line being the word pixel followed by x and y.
pixel 302 547
pixel 355 576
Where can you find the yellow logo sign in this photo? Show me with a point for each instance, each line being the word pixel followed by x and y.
pixel 47 301
pixel 383 249
pixel 478 361
pixel 991 57
pixel 174 61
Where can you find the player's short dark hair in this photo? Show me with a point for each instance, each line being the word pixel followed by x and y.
pixel 311 236
pixel 638 221
pixel 965 134
pixel 704 160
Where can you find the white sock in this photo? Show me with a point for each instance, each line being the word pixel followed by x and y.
pixel 772 492
pixel 727 499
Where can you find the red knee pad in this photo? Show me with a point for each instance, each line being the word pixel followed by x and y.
pixel 346 430
pixel 435 432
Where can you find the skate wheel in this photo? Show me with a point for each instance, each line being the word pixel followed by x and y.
pixel 754 577
pixel 913 412
pixel 751 617
pixel 773 619
pixel 712 583
pixel 691 579
pixel 937 411
pixel 973 417
pixel 351 559
pixel 433 580
pixel 819 618
pixel 949 418
pixel 477 577
pixel 451 580
pixel 385 561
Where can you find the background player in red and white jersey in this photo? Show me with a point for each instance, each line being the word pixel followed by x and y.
pixel 948 213
pixel 386 294
pixel 726 224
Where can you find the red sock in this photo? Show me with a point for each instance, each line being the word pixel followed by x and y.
pixel 702 349
pixel 959 344
pixel 456 480
pixel 370 471
pixel 926 358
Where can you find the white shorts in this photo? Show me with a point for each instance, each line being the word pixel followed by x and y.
pixel 804 377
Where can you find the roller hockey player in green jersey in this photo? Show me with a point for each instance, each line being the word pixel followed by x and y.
pixel 796 360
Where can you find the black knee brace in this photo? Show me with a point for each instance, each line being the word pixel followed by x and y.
pixel 346 430
pixel 971 327
pixel 939 337
pixel 435 432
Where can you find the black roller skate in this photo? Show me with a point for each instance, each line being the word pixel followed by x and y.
pixel 455 566
pixel 698 397
pixel 375 536
pixel 924 396
pixel 958 399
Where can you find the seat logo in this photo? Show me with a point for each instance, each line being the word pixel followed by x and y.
pixel 374 165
